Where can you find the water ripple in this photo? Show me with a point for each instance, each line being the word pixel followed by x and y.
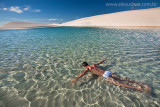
pixel 37 65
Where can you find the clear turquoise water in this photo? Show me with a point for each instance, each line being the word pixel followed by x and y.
pixel 37 66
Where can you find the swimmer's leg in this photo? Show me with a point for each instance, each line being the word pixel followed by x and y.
pixel 123 79
pixel 115 82
pixel 131 81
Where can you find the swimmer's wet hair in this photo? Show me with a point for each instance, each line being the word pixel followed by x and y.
pixel 85 64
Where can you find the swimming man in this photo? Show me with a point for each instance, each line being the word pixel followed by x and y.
pixel 112 78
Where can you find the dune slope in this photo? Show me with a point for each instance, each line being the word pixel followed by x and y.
pixel 140 18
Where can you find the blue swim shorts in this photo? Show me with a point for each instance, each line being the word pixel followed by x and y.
pixel 107 74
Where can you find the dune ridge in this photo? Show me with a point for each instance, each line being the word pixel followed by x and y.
pixel 133 18
pixel 23 25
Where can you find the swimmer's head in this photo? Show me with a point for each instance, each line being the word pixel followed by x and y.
pixel 85 64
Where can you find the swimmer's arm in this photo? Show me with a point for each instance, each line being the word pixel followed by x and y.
pixel 101 62
pixel 83 73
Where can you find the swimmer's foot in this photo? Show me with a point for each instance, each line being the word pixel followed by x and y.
pixel 140 88
pixel 148 88
pixel 146 91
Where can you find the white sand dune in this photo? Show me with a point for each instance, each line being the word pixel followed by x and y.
pixel 23 25
pixel 133 18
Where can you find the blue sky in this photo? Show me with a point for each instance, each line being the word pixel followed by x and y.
pixel 59 11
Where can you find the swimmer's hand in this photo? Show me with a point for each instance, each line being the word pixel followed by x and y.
pixel 83 73
pixel 101 62
pixel 74 80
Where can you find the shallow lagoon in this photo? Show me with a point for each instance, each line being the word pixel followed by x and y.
pixel 37 65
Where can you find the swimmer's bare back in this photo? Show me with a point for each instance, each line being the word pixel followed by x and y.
pixel 91 68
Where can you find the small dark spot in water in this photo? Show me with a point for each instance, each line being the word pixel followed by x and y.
pixel 56 88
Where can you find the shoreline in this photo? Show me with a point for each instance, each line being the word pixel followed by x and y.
pixel 108 26
pixel 121 27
